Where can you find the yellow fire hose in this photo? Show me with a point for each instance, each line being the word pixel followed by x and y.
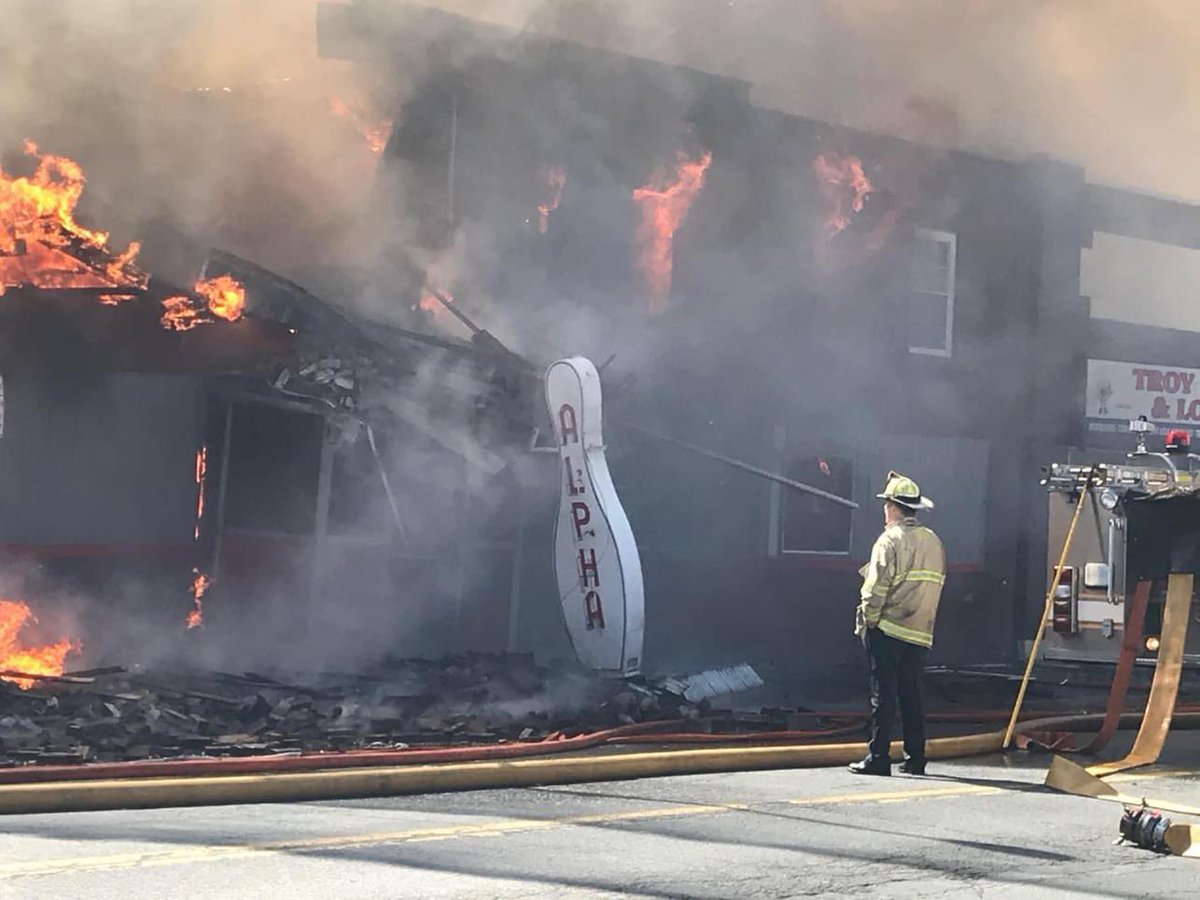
pixel 1069 777
pixel 338 784
pixel 1168 670
pixel 1182 839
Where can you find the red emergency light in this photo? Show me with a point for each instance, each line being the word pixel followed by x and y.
pixel 1179 440
pixel 1065 612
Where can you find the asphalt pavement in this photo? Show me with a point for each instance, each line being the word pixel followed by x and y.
pixel 972 828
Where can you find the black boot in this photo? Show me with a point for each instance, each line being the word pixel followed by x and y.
pixel 912 766
pixel 870 766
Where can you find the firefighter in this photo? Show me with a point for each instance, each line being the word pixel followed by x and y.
pixel 902 585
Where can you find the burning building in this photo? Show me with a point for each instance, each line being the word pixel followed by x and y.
pixel 255 466
pixel 164 441
pixel 823 302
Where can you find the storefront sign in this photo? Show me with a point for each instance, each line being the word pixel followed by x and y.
pixel 596 559
pixel 1166 395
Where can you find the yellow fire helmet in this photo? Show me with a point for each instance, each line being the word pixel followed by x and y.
pixel 903 490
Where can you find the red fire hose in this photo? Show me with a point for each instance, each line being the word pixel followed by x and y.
pixel 645 732
pixel 656 733
pixel 349 759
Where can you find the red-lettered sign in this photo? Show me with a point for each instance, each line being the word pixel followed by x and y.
pixel 596 558
pixel 1168 395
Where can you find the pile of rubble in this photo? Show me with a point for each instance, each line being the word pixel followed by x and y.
pixel 113 714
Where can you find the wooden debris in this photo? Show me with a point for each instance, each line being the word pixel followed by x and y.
pixel 455 701
pixel 36 676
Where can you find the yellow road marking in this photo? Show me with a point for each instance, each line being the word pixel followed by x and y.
pixel 210 853
pixel 1150 775
pixel 886 796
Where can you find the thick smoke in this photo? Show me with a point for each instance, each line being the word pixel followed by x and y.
pixel 207 121
pixel 1107 84
pixel 210 118
pixel 198 124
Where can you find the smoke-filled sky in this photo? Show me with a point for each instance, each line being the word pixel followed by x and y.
pixel 1107 83
pixel 198 122
pixel 1111 84
pixel 135 90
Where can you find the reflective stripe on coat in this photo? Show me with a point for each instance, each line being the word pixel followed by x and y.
pixel 902 583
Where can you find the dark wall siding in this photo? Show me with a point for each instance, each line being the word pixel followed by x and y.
pixel 99 460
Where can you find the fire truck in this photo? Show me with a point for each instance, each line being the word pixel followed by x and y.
pixel 1140 522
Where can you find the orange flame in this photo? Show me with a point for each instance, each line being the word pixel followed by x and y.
pixel 376 135
pixel 845 186
pixel 201 477
pixel 42 245
pixel 224 298
pixel 200 585
pixel 180 314
pixel 120 270
pixel 664 209
pixel 47 659
pixel 200 581
pixel 556 180
pixel 434 307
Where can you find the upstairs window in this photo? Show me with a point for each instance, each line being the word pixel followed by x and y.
pixel 812 524
pixel 931 298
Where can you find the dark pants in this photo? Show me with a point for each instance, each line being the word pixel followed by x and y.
pixel 896 668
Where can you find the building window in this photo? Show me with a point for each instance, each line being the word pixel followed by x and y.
pixel 931 300
pixel 812 524
pixel 274 464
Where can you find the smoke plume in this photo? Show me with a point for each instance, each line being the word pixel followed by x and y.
pixel 1106 84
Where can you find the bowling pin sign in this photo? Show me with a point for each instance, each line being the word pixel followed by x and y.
pixel 596 558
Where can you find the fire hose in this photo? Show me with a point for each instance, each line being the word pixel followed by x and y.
pixel 331 784
pixel 392 773
pixel 657 733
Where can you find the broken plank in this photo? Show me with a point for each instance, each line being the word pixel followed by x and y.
pixel 92 673
pixel 37 676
